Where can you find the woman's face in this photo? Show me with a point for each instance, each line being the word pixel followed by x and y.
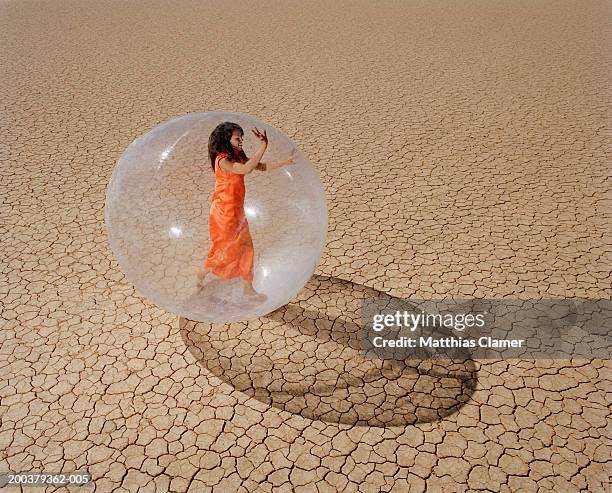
pixel 236 140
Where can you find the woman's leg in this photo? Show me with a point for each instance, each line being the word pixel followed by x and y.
pixel 201 276
pixel 249 292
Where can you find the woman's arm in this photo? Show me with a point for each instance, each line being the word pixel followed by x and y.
pixel 243 168
pixel 251 164
pixel 277 164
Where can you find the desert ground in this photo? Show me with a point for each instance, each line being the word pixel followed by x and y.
pixel 464 149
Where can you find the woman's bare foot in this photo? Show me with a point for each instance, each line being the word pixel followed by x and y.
pixel 201 276
pixel 252 295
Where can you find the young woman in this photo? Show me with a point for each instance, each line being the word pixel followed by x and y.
pixel 231 254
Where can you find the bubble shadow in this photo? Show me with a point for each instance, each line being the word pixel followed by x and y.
pixel 305 358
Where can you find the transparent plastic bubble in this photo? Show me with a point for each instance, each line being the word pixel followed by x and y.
pixel 158 206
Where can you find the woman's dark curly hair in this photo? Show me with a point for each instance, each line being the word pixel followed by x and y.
pixel 219 141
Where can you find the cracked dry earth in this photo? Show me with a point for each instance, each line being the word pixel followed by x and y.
pixel 464 149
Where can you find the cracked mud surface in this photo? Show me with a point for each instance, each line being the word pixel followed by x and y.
pixel 464 150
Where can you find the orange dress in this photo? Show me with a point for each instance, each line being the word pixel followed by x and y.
pixel 231 253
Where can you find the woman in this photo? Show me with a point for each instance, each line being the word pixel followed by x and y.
pixel 231 254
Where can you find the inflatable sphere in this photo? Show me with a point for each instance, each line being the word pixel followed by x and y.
pixel 160 221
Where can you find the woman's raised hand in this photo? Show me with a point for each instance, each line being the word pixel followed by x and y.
pixel 263 137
